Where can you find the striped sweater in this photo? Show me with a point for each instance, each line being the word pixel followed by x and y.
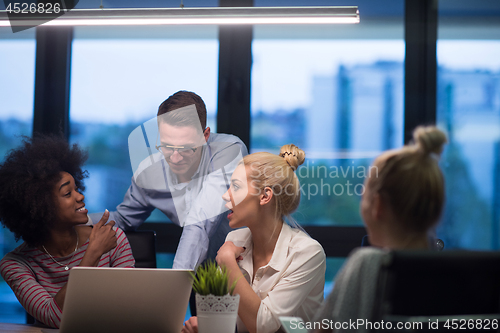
pixel 35 278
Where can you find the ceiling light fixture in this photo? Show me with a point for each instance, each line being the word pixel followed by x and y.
pixel 177 16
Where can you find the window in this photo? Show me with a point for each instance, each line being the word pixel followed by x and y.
pixel 337 93
pixel 468 98
pixel 17 68
pixel 118 82
pixel 341 101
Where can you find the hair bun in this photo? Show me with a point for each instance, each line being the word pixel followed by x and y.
pixel 293 155
pixel 429 139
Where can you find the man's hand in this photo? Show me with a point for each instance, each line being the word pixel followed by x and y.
pixel 190 326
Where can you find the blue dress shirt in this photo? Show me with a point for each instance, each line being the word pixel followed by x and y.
pixel 197 206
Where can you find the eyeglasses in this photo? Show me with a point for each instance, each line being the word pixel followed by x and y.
pixel 167 150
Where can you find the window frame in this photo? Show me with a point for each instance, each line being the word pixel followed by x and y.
pixel 235 56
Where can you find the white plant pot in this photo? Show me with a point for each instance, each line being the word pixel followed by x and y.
pixel 217 314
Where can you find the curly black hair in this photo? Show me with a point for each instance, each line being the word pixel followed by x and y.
pixel 27 179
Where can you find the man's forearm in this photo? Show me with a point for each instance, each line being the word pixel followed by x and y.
pixel 193 246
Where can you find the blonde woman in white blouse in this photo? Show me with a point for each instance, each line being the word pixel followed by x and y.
pixel 280 270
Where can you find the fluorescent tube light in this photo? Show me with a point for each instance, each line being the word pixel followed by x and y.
pixel 177 16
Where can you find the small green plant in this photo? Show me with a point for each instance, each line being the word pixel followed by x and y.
pixel 212 279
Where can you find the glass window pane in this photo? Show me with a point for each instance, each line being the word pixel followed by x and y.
pixel 17 68
pixel 17 77
pixel 117 83
pixel 339 100
pixel 337 92
pixel 468 97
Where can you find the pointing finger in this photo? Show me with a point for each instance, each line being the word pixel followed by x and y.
pixel 103 219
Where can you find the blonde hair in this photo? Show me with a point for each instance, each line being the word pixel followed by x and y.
pixel 278 173
pixel 411 180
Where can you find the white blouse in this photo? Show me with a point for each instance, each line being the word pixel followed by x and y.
pixel 291 284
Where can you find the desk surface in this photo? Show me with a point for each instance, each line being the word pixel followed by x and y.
pixel 25 328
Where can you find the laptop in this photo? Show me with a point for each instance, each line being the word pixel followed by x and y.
pixel 125 300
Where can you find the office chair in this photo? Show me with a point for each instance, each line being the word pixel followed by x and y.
pixel 437 287
pixel 143 245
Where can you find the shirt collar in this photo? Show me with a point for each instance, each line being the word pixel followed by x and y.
pixel 246 242
pixel 280 250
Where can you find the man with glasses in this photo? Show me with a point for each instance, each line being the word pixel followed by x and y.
pixel 185 178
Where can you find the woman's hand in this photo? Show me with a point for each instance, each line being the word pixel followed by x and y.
pixel 190 326
pixel 103 238
pixel 228 254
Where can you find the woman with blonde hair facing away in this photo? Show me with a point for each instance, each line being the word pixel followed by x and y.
pixel 403 200
pixel 279 270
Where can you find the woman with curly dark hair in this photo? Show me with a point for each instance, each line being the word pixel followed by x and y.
pixel 42 204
